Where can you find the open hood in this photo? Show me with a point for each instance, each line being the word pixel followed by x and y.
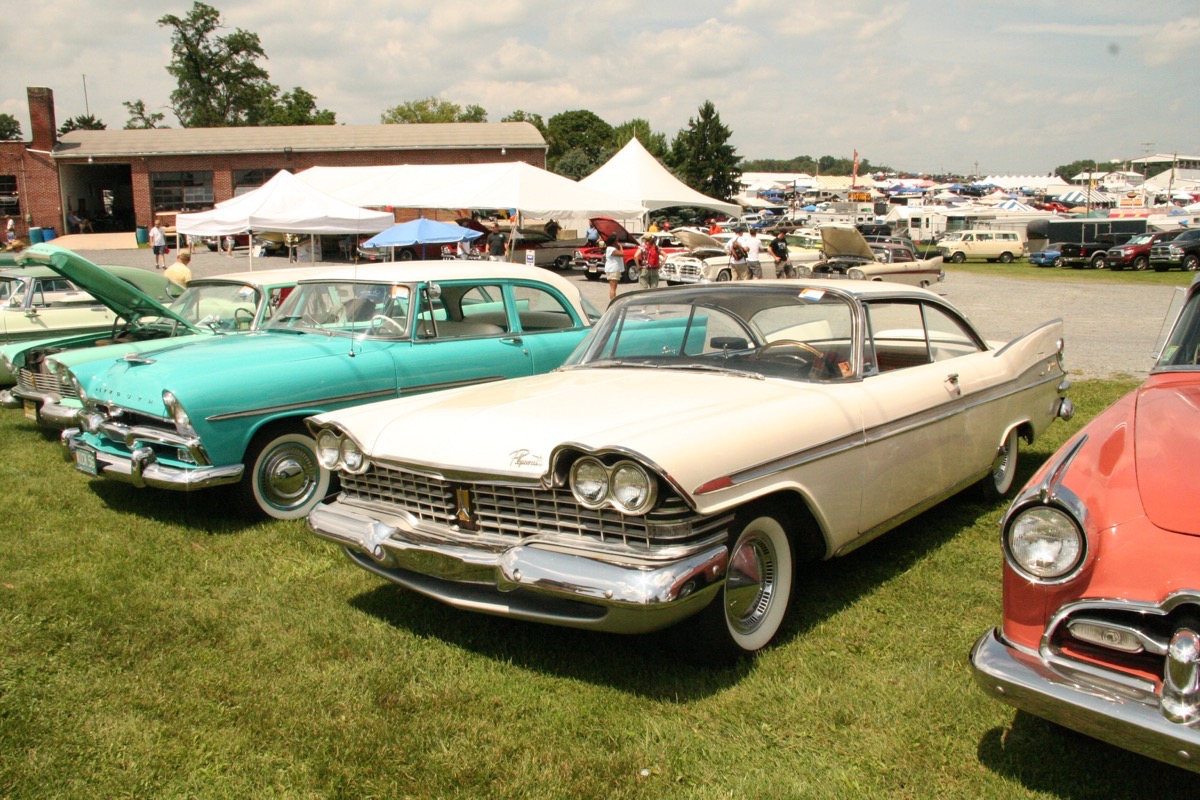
pixel 608 225
pixel 843 241
pixel 696 239
pixel 128 291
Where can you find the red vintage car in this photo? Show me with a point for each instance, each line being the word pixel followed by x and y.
pixel 591 259
pixel 1101 626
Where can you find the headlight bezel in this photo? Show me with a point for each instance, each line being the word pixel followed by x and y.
pixel 606 479
pixel 331 445
pixel 1069 535
pixel 178 414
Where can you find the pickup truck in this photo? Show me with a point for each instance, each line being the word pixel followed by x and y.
pixel 1135 254
pixel 1091 254
pixel 1183 251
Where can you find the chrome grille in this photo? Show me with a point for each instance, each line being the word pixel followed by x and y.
pixel 44 383
pixel 519 512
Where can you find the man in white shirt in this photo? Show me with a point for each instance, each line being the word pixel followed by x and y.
pixel 753 247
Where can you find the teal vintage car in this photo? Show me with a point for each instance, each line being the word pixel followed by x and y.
pixel 37 301
pixel 231 410
pixel 222 304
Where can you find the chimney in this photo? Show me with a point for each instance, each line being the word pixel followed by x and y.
pixel 41 118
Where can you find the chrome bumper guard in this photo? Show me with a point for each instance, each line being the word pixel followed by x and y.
pixel 532 580
pixel 9 400
pixel 142 469
pixel 1129 719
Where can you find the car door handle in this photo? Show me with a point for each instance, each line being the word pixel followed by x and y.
pixel 952 380
pixel 512 340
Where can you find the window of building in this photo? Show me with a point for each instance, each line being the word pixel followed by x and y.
pixel 10 201
pixel 246 180
pixel 182 191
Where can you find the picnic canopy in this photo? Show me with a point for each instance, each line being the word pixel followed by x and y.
pixel 635 174
pixel 283 204
pixel 422 231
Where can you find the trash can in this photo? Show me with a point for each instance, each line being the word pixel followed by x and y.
pixel 48 234
pixel 143 235
pixel 35 236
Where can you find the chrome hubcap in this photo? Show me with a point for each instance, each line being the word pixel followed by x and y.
pixel 288 475
pixel 750 583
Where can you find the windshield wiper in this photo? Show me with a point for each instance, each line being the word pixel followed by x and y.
pixel 713 368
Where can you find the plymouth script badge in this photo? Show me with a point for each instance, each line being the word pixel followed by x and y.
pixel 523 458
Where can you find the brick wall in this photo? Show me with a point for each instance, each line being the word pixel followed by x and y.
pixel 37 186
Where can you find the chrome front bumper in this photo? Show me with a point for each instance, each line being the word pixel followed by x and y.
pixel 142 469
pixel 9 400
pixel 531 580
pixel 1127 719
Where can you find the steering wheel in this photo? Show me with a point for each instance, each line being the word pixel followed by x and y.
pixel 808 348
pixel 238 313
pixel 382 321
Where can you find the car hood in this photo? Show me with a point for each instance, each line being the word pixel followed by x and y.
pixel 261 363
pixel 696 239
pixel 839 241
pixel 512 427
pixel 607 226
pixel 122 297
pixel 1167 447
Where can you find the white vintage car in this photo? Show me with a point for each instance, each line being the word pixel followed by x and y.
pixel 748 426
pixel 848 254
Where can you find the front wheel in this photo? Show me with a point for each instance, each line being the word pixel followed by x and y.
pixel 724 275
pixel 1140 263
pixel 1191 263
pixel 284 480
pixel 592 276
pixel 751 607
pixel 632 273
pixel 958 258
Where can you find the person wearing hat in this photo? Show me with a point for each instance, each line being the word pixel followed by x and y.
pixel 648 259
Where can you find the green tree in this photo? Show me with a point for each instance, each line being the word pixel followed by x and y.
pixel 299 107
pixel 10 129
pixel 524 116
pixel 1068 171
pixel 655 143
pixel 432 109
pixel 219 82
pixel 139 118
pixel 702 156
pixel 83 122
pixel 582 131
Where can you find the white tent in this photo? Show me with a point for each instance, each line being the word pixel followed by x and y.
pixel 517 185
pixel 635 174
pixel 286 205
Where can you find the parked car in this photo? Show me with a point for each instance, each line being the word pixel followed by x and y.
pixel 848 254
pixel 992 245
pixel 1135 253
pixel 704 260
pixel 37 302
pixel 1101 622
pixel 1050 256
pixel 229 410
pixel 218 305
pixel 1183 251
pixel 591 259
pixel 771 422
pixel 1091 254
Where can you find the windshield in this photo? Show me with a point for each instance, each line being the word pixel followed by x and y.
pixel 1183 345
pixel 1141 238
pixel 9 287
pixel 374 310
pixel 774 332
pixel 219 306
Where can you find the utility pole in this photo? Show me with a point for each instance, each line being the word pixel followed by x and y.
pixel 87 109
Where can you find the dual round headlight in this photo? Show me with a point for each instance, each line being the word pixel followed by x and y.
pixel 625 485
pixel 335 451
pixel 1044 543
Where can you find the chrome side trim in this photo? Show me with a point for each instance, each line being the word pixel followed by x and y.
pixel 357 397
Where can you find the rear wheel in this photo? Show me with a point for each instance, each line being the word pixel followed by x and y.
pixel 724 275
pixel 562 262
pixel 1006 258
pixel 592 276
pixel 283 477
pixel 1097 261
pixel 999 482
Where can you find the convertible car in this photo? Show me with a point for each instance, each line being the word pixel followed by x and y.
pixel 748 426
pixel 222 304
pixel 1101 624
pixel 230 409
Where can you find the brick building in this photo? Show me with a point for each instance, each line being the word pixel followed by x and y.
pixel 122 179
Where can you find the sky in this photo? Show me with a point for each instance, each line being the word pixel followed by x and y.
pixel 936 86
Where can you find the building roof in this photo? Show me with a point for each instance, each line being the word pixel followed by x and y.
pixel 298 138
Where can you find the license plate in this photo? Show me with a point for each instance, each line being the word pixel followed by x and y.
pixel 85 461
pixel 31 411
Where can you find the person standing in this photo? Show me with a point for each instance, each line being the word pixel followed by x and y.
pixel 779 251
pixel 753 248
pixel 737 258
pixel 648 260
pixel 10 230
pixel 592 235
pixel 158 243
pixel 497 244
pixel 614 264
pixel 180 273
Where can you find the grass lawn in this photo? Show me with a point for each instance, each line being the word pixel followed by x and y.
pixel 155 646
pixel 1023 269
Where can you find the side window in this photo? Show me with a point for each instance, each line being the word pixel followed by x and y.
pixel 540 310
pixel 947 336
pixel 985 237
pixel 465 311
pixel 896 334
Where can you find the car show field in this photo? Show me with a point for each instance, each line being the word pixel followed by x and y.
pixel 164 644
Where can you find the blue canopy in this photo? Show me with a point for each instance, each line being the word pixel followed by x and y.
pixel 422 231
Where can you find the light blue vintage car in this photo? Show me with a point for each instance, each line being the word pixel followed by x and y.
pixel 218 305
pixel 230 410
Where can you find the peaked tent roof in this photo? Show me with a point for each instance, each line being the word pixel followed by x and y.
pixel 287 205
pixel 635 174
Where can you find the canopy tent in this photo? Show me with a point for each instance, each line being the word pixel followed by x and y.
pixel 1072 198
pixel 422 231
pixel 1014 205
pixel 517 185
pixel 635 174
pixel 286 205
